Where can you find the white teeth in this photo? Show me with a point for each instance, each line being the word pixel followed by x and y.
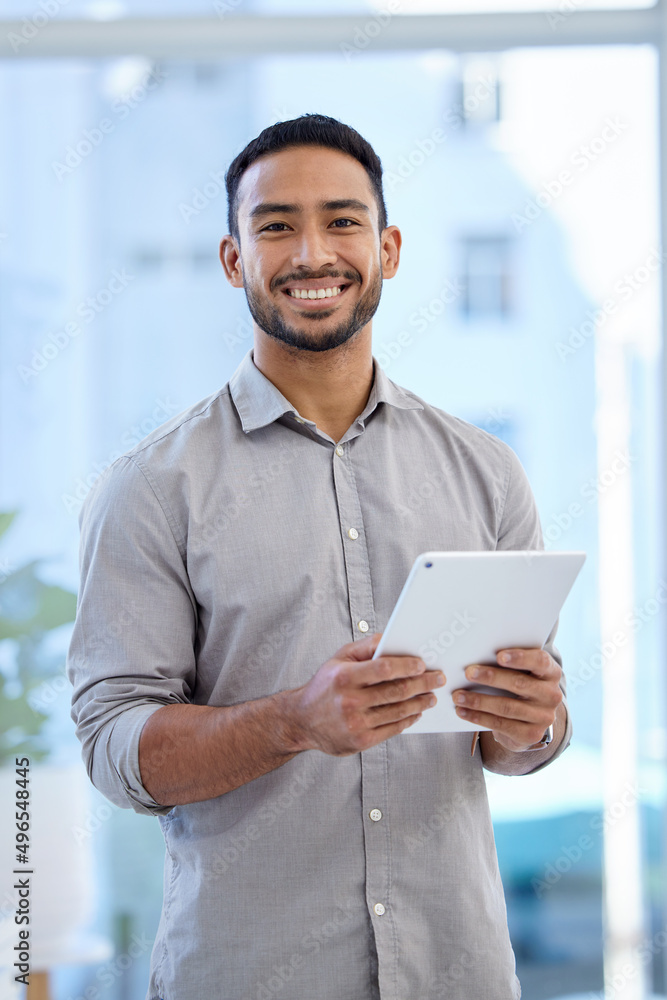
pixel 314 293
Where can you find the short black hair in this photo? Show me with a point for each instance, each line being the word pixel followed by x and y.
pixel 307 130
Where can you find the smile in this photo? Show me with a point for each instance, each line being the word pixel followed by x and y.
pixel 315 293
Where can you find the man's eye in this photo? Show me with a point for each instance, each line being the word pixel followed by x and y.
pixel 337 223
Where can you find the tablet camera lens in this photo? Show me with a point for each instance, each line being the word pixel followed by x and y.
pixel 428 565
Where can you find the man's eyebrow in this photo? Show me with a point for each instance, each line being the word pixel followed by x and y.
pixel 342 203
pixel 280 208
pixel 274 208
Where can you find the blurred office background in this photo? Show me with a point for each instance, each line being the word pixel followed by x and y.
pixel 522 168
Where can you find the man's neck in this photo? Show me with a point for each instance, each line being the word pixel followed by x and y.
pixel 329 387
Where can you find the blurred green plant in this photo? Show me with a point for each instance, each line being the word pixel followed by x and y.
pixel 29 610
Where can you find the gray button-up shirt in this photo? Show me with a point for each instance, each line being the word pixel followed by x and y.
pixel 226 557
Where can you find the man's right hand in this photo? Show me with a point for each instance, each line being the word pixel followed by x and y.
pixel 188 753
pixel 354 702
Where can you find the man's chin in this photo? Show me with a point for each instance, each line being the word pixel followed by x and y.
pixel 319 315
pixel 299 340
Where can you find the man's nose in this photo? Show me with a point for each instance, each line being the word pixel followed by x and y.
pixel 313 250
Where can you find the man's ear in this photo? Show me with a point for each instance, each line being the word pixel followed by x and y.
pixel 230 258
pixel 390 250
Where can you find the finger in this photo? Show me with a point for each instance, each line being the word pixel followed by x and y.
pixel 384 715
pixel 537 661
pixel 519 682
pixel 385 668
pixel 403 688
pixel 479 708
pixel 524 734
pixel 383 733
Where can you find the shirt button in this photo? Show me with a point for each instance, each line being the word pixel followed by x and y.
pixel 300 420
pixel 353 533
pixel 340 450
pixel 375 815
pixel 363 626
pixel 379 909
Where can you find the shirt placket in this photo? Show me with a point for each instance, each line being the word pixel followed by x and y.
pixel 374 762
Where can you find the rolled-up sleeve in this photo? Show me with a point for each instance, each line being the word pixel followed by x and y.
pixel 520 528
pixel 132 647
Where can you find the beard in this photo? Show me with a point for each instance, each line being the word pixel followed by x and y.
pixel 268 318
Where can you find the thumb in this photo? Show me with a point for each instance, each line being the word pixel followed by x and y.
pixel 363 649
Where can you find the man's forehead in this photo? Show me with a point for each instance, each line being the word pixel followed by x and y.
pixel 309 175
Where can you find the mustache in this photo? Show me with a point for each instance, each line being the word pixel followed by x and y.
pixel 348 275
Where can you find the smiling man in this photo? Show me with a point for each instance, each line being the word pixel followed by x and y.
pixel 237 568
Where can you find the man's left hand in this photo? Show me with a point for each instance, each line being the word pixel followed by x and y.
pixel 516 723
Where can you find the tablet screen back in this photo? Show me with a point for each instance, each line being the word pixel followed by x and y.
pixel 458 608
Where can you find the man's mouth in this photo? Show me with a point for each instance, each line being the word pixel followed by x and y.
pixel 316 289
pixel 315 293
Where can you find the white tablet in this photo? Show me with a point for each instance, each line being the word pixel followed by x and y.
pixel 458 608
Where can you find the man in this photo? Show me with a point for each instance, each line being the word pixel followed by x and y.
pixel 238 567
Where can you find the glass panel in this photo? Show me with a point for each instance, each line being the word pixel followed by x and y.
pixel 114 315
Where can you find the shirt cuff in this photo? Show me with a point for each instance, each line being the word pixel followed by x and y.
pixel 114 761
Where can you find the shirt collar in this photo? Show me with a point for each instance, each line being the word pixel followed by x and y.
pixel 259 402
